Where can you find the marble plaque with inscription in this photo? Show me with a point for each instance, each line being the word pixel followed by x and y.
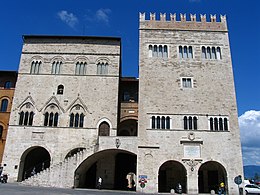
pixel 191 151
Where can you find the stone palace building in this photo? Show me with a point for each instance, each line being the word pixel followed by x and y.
pixel 74 117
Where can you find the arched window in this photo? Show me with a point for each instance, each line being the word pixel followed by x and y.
pixel 150 54
pixel 216 124
pixel 225 124
pixel 26 118
pixel 208 53
pixel 26 115
pixel 8 85
pixel 185 52
pixel 185 121
pixel 155 51
pixel 180 52
pixel 1 131
pixel 211 124
pixel 56 118
pixel 71 120
pixel 60 89
pixel 76 122
pixel 102 68
pixel 51 117
pixel 35 67
pixel 158 121
pixel 190 54
pixel 103 129
pixel 167 122
pixel 218 53
pixel 4 105
pixel 195 123
pixel 163 122
pixel 165 51
pixel 21 118
pixel 153 122
pixel 56 66
pixel 46 119
pixel 203 53
pixel 31 118
pixel 214 55
pixel 80 68
pixel 81 120
pixel 220 124
pixel 160 51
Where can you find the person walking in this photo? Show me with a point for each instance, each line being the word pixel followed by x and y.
pixel 99 183
pixel 222 189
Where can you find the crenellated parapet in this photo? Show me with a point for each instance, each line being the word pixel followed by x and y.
pixel 193 23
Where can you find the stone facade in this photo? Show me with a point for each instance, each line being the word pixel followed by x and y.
pixel 74 118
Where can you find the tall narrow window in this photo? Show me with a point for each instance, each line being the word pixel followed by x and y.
pixel 160 55
pixel 220 124
pixel 153 122
pixel 71 120
pixel 76 124
pixel 185 121
pixel 46 119
pixel 21 118
pixel 56 66
pixel 26 117
pixel 155 51
pixel 185 52
pixel 158 120
pixel 216 124
pixel 51 117
pixel 163 122
pixel 150 54
pixel 103 129
pixel 4 105
pixel 8 85
pixel 165 51
pixel 186 83
pixel 190 54
pixel 1 131
pixel 31 118
pixel 102 68
pixel 208 53
pixel 35 67
pixel 211 124
pixel 203 53
pixel 214 55
pixel 218 53
pixel 81 120
pixel 190 122
pixel 180 52
pixel 167 122
pixel 195 123
pixel 56 118
pixel 80 68
pixel 225 124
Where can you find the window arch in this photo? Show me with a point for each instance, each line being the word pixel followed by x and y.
pixel 60 89
pixel 155 51
pixel 150 54
pixel 203 53
pixel 51 116
pixel 185 52
pixel 165 51
pixel 8 85
pixel 208 53
pixel 77 116
pixel 103 129
pixel 160 54
pixel 35 67
pixel 4 105
pixel 102 68
pixel 1 131
pixel 26 118
pixel 160 51
pixel 214 55
pixel 218 53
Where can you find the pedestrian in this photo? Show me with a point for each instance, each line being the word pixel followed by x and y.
pixel 99 183
pixel 222 189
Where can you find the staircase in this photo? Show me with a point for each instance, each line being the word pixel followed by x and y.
pixel 60 174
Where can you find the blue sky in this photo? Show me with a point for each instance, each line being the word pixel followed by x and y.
pixel 120 18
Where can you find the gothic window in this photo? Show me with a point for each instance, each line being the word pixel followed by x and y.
pixel 56 66
pixel 190 122
pixel 77 116
pixel 102 68
pixel 60 89
pixel 180 52
pixel 203 53
pixel 26 118
pixel 185 52
pixel 160 122
pixel 35 67
pixel 208 53
pixel 190 54
pixel 1 131
pixel 214 55
pixel 186 82
pixel 160 55
pixel 81 68
pixel 8 85
pixel 165 51
pixel 103 129
pixel 4 105
pixel 155 51
pixel 81 120
pixel 150 51
pixel 51 119
pixel 218 124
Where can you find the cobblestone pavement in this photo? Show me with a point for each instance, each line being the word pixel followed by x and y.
pixel 17 189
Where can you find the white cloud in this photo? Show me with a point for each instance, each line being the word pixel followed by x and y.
pixel 69 18
pixel 249 124
pixel 101 15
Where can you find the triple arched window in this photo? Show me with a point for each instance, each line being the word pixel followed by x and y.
pixel 81 68
pixel 159 51
pixel 211 53
pixel 51 119
pixel 4 105
pixel 35 67
pixel 160 122
pixel 190 123
pixel 102 68
pixel 76 120
pixel 26 118
pixel 56 67
pixel 218 124
pixel 185 52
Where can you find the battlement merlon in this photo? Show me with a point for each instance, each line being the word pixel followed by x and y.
pixel 183 24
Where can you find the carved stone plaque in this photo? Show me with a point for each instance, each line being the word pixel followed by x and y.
pixel 38 136
pixel 191 151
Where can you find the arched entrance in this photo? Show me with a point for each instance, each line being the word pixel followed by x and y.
pixel 103 129
pixel 33 160
pixel 113 166
pixel 171 173
pixel 127 128
pixel 211 174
